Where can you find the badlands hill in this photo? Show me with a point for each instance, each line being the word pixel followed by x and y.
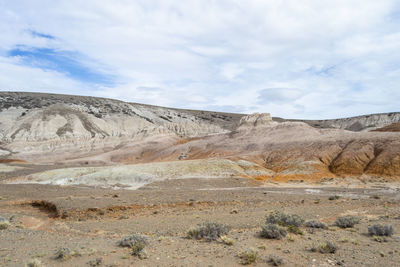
pixel 143 143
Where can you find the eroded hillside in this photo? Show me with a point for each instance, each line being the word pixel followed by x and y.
pixel 80 131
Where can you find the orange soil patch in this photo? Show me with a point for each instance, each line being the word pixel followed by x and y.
pixel 262 177
pixel 394 127
pixel 311 177
pixel 186 140
pixel 13 161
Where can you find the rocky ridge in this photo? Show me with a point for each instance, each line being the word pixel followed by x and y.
pixel 72 130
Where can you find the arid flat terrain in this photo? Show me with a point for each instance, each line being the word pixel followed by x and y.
pixel 91 222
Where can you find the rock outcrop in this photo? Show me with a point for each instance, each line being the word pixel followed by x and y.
pixel 256 120
pixel 359 123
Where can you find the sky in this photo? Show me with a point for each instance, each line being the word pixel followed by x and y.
pixel 310 59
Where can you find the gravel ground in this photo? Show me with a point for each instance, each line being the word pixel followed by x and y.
pixel 91 221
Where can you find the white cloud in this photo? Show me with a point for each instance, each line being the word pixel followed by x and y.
pixel 323 58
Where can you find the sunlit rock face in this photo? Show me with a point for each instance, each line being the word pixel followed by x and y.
pixel 87 131
pixel 256 120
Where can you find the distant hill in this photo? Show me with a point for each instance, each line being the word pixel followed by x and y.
pixel 79 130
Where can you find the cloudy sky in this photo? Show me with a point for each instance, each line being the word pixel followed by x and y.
pixel 292 58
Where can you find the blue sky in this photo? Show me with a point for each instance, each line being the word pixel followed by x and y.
pixel 67 63
pixel 292 58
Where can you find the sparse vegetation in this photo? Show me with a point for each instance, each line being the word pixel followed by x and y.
pixel 381 230
pixel 284 219
pixel 295 230
pixel 208 231
pixel 346 221
pixel 248 256
pixel 96 262
pixel 379 239
pixel 291 238
pixel 272 231
pixel 327 247
pixel 131 240
pixel 193 232
pixel 316 224
pixel 136 243
pixel 275 260
pixel 34 263
pixel 64 254
pixel 335 197
pixel 227 241
pixel 4 225
pixel 138 250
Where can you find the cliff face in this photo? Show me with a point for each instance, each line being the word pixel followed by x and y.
pixel 71 130
pixel 359 123
pixel 33 123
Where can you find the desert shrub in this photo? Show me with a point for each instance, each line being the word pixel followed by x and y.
pixel 227 241
pixel 291 238
pixel 379 239
pixel 4 225
pixel 193 232
pixel 137 249
pixel 335 197
pixel 284 219
pixel 64 254
pixel 275 260
pixel 347 221
pixel 208 231
pixel 381 230
pixel 272 231
pixel 34 263
pixel 248 256
pixel 324 248
pixel 135 242
pixel 96 262
pixel 316 224
pixel 295 230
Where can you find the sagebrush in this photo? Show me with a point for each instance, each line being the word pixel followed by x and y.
pixel 316 224
pixel 208 231
pixel 381 230
pixel 136 243
pixel 272 231
pixel 327 247
pixel 284 219
pixel 347 221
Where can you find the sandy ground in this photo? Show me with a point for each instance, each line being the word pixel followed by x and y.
pixel 91 221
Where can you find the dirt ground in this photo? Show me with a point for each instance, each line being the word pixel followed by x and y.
pixel 91 222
